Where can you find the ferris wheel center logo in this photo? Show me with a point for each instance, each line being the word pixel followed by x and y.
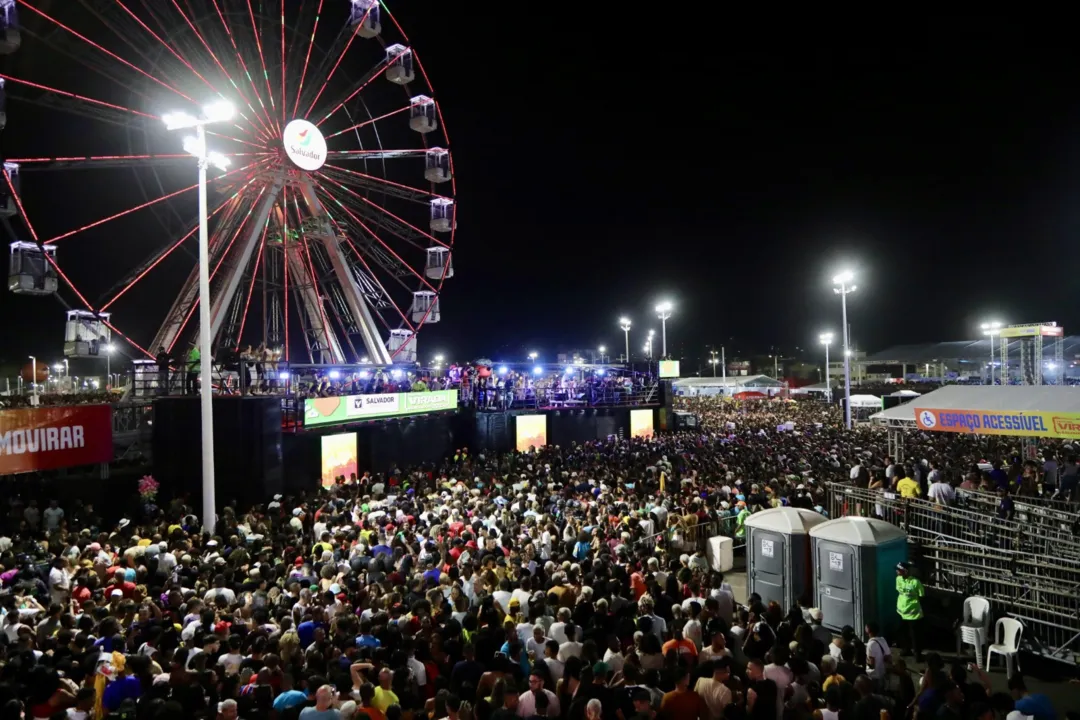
pixel 304 145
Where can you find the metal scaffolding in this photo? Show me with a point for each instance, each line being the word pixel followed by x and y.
pixel 1034 368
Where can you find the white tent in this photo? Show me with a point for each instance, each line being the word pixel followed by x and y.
pixel 1019 398
pixel 865 401
pixel 904 394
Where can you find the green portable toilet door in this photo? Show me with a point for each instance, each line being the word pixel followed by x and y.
pixel 768 563
pixel 836 584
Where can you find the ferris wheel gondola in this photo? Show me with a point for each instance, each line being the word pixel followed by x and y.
pixel 331 233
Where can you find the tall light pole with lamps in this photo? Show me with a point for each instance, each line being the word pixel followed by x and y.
pixel 990 329
pixel 843 285
pixel 663 311
pixel 826 339
pixel 33 379
pixel 196 145
pixel 602 350
pixel 624 323
pixel 108 364
pixel 713 361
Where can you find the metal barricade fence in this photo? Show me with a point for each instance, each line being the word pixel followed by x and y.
pixel 682 539
pixel 1029 572
pixel 1054 514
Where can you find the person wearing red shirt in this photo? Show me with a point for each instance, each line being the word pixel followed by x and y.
pixel 124 586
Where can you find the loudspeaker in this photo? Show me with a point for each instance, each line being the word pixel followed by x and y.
pixel 247 448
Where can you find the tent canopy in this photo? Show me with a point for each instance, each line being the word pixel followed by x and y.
pixel 731 381
pixel 865 401
pixel 905 393
pixel 1045 398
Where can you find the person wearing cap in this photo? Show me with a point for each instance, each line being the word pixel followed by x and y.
pixel 909 594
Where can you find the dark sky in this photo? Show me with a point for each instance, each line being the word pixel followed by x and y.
pixel 606 159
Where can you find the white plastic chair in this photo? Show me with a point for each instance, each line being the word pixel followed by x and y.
pixel 1007 634
pixel 975 627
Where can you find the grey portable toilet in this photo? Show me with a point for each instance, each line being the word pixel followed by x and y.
pixel 779 565
pixel 855 571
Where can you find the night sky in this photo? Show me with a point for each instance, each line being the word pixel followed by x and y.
pixel 606 159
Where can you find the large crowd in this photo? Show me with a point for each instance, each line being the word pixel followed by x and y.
pixel 554 584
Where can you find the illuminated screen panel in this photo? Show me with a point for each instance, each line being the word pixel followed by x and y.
pixel 669 368
pixel 531 432
pixel 641 423
pixel 338 457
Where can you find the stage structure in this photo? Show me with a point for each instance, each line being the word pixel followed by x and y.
pixel 331 232
pixel 1035 368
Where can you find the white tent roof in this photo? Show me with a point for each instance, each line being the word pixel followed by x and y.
pixel 786 520
pixel 854 530
pixel 865 401
pixel 905 393
pixel 1045 398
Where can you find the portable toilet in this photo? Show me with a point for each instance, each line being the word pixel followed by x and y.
pixel 855 562
pixel 778 554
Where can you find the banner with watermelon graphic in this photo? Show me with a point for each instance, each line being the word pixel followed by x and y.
pixel 350 408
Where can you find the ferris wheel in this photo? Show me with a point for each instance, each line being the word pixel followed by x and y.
pixel 331 218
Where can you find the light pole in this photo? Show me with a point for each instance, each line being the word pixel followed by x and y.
pixel 217 112
pixel 990 329
pixel 108 365
pixel 663 311
pixel 624 323
pixel 602 350
pixel 713 361
pixel 439 361
pixel 648 344
pixel 843 286
pixel 33 379
pixel 533 355
pixel 825 339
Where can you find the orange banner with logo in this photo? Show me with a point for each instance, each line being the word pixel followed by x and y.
pixel 1024 423
pixel 47 438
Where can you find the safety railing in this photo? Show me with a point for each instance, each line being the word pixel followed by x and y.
pixel 494 399
pixel 1030 572
pixel 689 539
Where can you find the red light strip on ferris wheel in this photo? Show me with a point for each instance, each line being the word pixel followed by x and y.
pixel 384 181
pixel 360 257
pixel 221 67
pixel 251 287
pixel 369 122
pixel 386 64
pixel 177 244
pixel 262 58
pixel 61 273
pixel 307 57
pixel 379 239
pixel 232 39
pixel 111 54
pixel 75 96
pixel 144 205
pixel 106 158
pixel 340 58
pixel 381 209
pixel 195 305
pixel 167 46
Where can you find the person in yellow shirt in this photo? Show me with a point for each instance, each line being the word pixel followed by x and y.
pixel 907 487
pixel 384 696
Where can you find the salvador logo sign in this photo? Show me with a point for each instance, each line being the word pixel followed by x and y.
pixel 304 145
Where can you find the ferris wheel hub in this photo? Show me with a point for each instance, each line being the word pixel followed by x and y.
pixel 304 145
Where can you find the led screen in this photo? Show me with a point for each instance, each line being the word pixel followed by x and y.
pixel 338 457
pixel 669 368
pixel 531 432
pixel 641 423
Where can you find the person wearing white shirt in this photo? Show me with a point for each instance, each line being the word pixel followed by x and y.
pixel 534 645
pixel 166 560
pixel 522 595
pixel 60 581
pixel 53 515
pixel 941 492
pixel 877 654
pixel 713 690
pixel 570 648
pixel 555 632
pixel 613 657
pixel 556 666
pixel 527 700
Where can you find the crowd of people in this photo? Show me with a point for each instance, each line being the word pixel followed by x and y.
pixel 554 584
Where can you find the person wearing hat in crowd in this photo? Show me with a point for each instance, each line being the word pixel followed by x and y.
pixel 909 594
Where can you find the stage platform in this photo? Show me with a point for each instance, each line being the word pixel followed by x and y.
pixel 256 457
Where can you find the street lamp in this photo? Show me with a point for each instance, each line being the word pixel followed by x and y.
pixel 624 323
pixel 825 339
pixel 216 112
pixel 33 379
pixel 533 355
pixel 108 364
pixel 990 329
pixel 663 311
pixel 843 285
pixel 713 361
pixel 602 350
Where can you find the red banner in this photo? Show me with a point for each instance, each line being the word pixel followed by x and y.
pixel 46 438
